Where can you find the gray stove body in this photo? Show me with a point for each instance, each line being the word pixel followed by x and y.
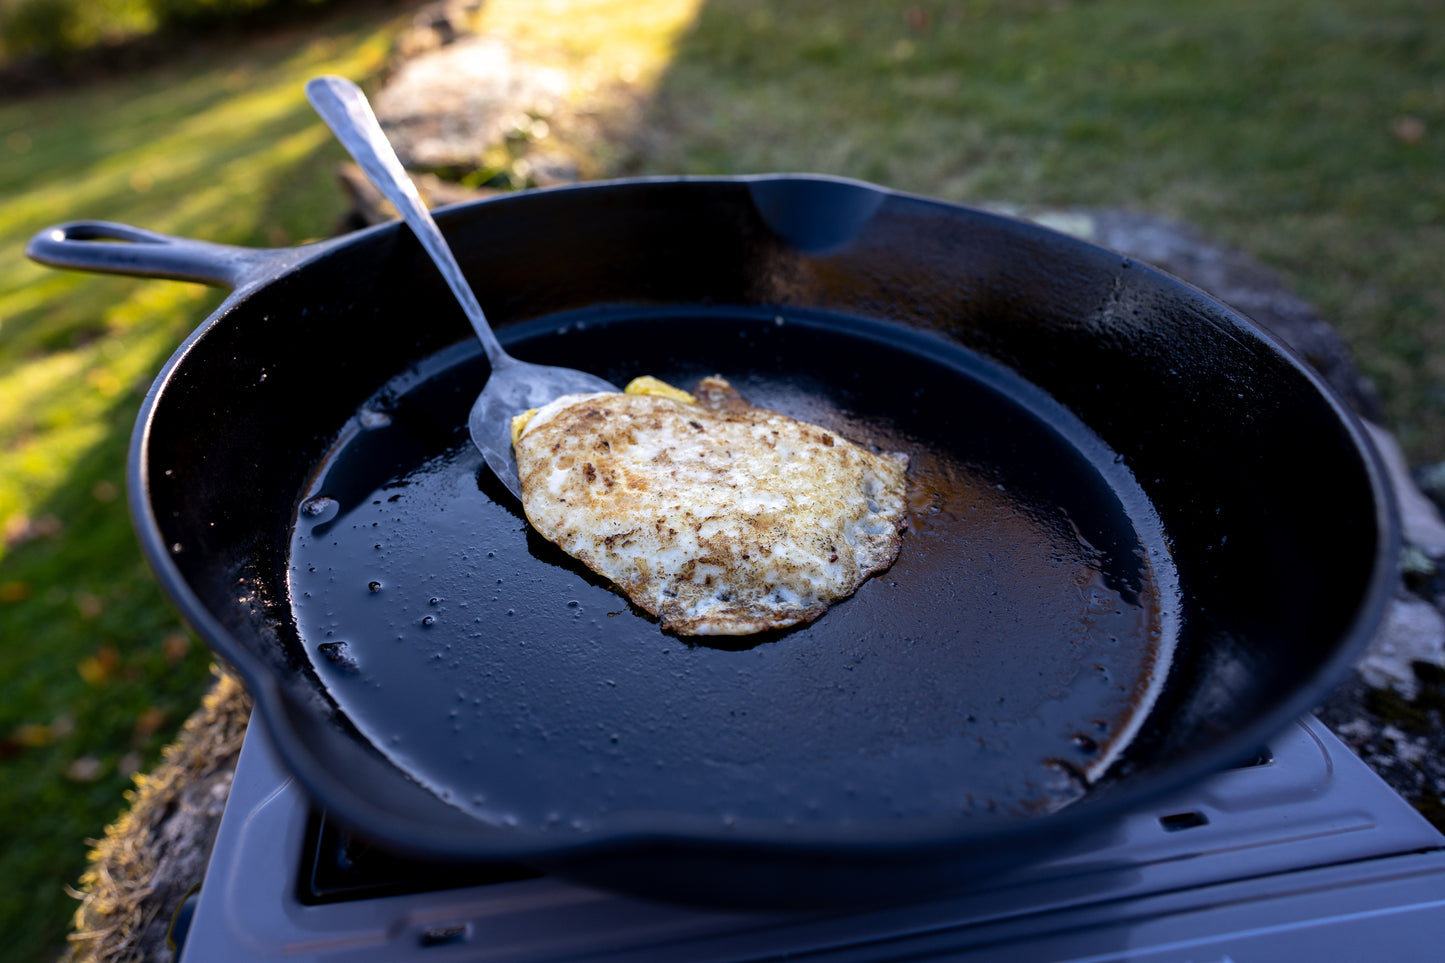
pixel 1306 856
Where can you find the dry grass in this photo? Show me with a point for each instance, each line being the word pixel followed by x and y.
pixel 170 819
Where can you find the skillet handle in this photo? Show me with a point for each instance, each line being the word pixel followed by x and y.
pixel 110 248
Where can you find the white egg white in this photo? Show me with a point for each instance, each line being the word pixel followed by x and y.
pixel 715 516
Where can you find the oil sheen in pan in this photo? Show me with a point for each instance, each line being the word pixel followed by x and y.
pixel 996 669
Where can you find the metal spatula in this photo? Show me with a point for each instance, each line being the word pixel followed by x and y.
pixel 514 386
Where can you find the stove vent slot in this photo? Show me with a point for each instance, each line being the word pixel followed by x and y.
pixel 446 935
pixel 1176 822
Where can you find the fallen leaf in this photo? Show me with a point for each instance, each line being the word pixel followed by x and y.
pixel 175 646
pixel 128 764
pixel 84 769
pixel 63 726
pixel 91 670
pixel 98 668
pixel 90 606
pixel 104 382
pixel 1408 130
pixel 148 723
pixel 15 528
pixel 32 735
pixel 19 529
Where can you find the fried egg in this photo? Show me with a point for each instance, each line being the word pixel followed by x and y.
pixel 715 516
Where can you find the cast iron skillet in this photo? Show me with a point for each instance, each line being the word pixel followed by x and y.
pixel 1108 463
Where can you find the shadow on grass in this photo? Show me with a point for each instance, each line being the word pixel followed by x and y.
pixel 76 311
pixel 113 57
pixel 97 671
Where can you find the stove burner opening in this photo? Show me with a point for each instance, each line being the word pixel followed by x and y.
pixel 338 866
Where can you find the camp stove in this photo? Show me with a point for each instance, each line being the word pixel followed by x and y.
pixel 1302 854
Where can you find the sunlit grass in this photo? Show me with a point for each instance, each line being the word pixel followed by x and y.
pixel 612 57
pixel 57 407
pixel 97 671
pixel 184 175
pixel 594 40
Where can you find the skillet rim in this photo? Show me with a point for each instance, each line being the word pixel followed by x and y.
pixel 917 837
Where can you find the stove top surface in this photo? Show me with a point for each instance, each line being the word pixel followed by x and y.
pixel 1303 854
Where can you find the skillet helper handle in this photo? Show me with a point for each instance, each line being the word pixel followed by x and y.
pixel 109 248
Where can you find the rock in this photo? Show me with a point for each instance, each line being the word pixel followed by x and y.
pixel 548 170
pixel 1431 479
pixel 435 26
pixel 1398 738
pixel 1413 631
pixel 1419 520
pixel 446 110
pixel 369 207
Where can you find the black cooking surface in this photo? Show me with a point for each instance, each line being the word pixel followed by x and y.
pixel 991 670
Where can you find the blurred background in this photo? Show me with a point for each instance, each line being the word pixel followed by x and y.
pixel 1308 133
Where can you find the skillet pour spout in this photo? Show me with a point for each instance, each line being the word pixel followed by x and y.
pixel 1111 469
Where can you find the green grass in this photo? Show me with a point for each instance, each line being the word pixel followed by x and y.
pixel 1275 125
pixel 220 145
pixel 1268 124
pixel 68 27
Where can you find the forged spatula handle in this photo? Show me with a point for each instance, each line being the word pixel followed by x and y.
pixel 346 111
pixel 513 386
